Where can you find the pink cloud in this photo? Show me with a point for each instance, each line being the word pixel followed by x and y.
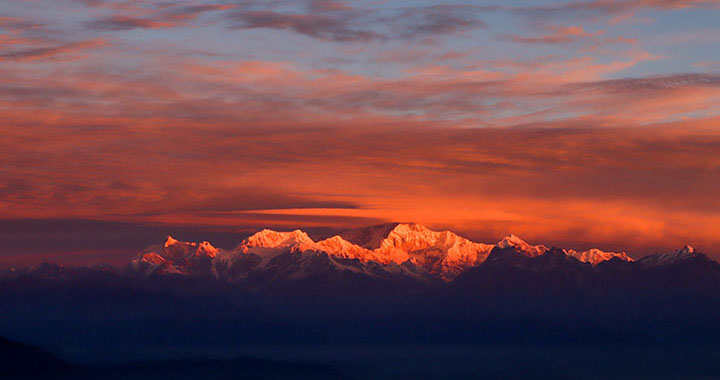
pixel 557 35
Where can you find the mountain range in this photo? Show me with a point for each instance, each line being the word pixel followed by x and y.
pixel 399 283
pixel 402 249
pixel 406 257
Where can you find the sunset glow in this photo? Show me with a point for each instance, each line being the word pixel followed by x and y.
pixel 583 124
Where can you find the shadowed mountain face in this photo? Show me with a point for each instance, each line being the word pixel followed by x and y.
pixel 405 284
pixel 369 237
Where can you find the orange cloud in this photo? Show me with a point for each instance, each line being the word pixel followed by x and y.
pixel 558 34
pixel 574 182
pixel 546 146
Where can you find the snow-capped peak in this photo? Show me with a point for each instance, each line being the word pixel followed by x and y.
pixel 206 249
pixel 515 242
pixel 337 246
pixel 406 229
pixel 170 241
pixel 268 243
pixel 668 258
pixel 442 253
pixel 595 256
pixel 687 249
pixel 153 258
pixel 274 239
pixel 511 240
pixel 174 257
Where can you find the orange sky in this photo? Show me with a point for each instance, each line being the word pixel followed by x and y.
pixel 581 133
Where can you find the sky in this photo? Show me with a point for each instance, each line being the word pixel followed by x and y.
pixel 591 123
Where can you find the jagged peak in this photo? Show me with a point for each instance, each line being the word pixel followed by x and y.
pixel 337 246
pixel 596 251
pixel 336 243
pixel 335 239
pixel 268 232
pixel 409 233
pixel 153 258
pixel 512 240
pixel 271 239
pixel 174 250
pixel 595 256
pixel 419 232
pixel 264 232
pixel 442 253
pixel 405 229
pixel 685 251
pixel 206 244
pixel 515 242
pixel 676 256
pixel 170 241
pixel 207 248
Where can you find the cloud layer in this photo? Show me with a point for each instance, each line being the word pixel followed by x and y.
pixel 563 122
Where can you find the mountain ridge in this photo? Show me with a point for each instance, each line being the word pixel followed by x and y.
pixel 442 255
pixel 401 250
pixel 286 287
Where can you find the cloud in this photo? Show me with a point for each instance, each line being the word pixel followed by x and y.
pixel 335 28
pixel 614 7
pixel 325 20
pixel 15 25
pixel 708 65
pixel 606 12
pixel 653 83
pixel 611 182
pixel 625 5
pixel 648 99
pixel 120 22
pixel 217 143
pixel 43 53
pixel 417 22
pixel 274 92
pixel 388 122
pixel 329 5
pixel 167 16
pixel 341 23
pixel 245 199
pixel 558 35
